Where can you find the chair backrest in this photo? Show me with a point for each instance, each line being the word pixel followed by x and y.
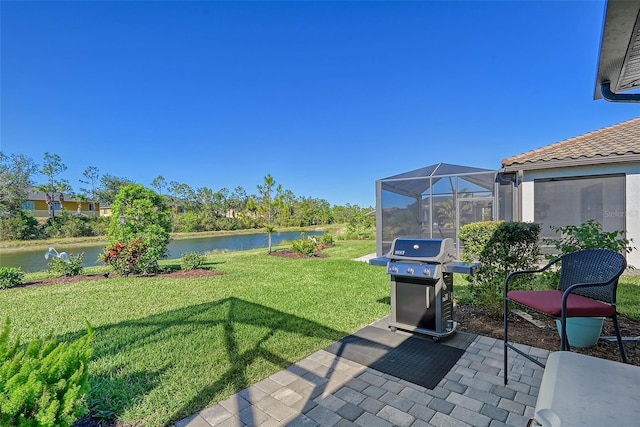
pixel 593 266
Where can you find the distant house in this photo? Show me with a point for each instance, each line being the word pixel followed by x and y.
pixel 232 213
pixel 37 204
pixel 104 209
pixel 591 176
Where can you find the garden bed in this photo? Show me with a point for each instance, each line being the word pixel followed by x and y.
pixel 475 320
pixel 199 272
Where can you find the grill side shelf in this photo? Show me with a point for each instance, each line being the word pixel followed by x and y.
pixel 461 267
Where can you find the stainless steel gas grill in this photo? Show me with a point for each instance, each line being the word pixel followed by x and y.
pixel 422 285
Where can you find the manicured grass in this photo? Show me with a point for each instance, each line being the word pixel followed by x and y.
pixel 166 348
pixel 629 296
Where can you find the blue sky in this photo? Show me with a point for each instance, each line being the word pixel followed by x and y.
pixel 326 97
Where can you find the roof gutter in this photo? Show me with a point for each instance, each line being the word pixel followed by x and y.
pixel 619 58
pixel 608 95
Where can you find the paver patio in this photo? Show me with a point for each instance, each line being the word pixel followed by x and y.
pixel 328 390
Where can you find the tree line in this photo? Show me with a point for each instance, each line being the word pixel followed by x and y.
pixel 192 209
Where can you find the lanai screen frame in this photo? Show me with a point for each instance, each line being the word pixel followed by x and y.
pixel 422 185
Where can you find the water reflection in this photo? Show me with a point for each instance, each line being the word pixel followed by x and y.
pixel 34 260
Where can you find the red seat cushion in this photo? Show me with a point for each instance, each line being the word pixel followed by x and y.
pixel 550 302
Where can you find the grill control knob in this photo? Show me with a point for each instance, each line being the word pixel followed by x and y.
pixel 410 270
pixel 427 272
pixel 393 269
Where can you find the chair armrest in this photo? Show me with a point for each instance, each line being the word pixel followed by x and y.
pixel 515 273
pixel 563 313
pixel 570 289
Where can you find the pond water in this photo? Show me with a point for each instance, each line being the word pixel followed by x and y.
pixel 31 261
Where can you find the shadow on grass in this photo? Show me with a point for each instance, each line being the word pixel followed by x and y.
pixel 119 385
pixel 209 265
pixel 385 300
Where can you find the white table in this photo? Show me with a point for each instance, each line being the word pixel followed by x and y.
pixel 579 390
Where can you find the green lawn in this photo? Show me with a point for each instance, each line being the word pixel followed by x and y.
pixel 166 348
pixel 629 296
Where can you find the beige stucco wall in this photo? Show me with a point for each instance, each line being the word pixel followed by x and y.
pixel 633 216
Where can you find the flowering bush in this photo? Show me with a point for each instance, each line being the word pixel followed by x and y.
pixel 138 232
pixel 132 258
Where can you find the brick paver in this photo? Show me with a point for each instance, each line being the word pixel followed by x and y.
pixel 326 390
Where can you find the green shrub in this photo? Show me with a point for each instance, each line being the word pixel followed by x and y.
pixel 192 260
pixel 132 258
pixel 475 237
pixel 44 382
pixel 589 235
pixel 187 222
pixel 70 267
pixel 359 232
pixel 68 225
pixel 326 239
pixel 99 225
pixel 10 277
pixel 22 226
pixel 138 232
pixel 513 246
pixel 306 246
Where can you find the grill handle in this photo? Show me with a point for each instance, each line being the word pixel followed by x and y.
pixel 427 294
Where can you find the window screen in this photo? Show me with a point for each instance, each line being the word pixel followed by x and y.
pixel 572 201
pixel 401 217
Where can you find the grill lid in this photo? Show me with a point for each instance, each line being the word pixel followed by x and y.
pixel 439 251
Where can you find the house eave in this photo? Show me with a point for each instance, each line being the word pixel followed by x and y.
pixel 568 163
pixel 619 60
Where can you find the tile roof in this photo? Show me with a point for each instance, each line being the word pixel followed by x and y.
pixel 611 142
pixel 34 194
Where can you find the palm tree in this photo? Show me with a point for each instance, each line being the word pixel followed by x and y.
pixel 266 204
pixel 269 229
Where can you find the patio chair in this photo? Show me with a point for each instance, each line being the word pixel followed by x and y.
pixel 587 288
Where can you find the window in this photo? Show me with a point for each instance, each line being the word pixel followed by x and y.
pixel 572 201
pixel 29 206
